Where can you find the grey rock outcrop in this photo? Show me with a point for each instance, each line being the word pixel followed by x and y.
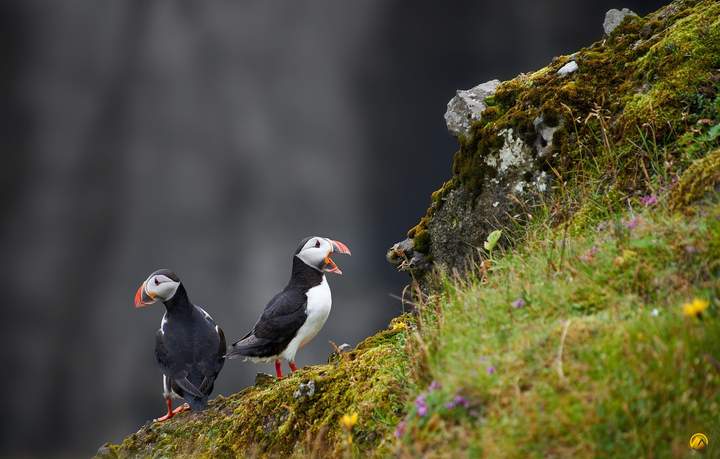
pixel 568 68
pixel 614 17
pixel 513 175
pixel 467 106
pixel 513 179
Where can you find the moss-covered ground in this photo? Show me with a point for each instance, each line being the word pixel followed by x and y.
pixel 593 330
pixel 270 419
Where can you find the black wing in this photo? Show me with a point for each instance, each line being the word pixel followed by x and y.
pixel 282 318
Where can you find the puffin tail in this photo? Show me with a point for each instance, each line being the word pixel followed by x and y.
pixel 196 403
pixel 246 347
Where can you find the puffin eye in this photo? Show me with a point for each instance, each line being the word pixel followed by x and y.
pixel 157 282
pixel 317 244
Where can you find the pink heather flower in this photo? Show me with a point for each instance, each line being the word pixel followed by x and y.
pixel 490 370
pixel 434 386
pixel 421 405
pixel 519 303
pixel 400 429
pixel 632 223
pixel 649 200
pixel 457 401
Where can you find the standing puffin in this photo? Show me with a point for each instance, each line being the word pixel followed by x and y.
pixel 294 316
pixel 189 346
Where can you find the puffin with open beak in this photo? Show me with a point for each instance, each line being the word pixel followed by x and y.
pixel 189 346
pixel 295 315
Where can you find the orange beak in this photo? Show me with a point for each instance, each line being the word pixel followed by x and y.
pixel 142 298
pixel 338 247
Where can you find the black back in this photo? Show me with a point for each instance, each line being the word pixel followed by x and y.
pixel 191 350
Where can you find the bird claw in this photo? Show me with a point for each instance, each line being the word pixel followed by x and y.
pixel 170 412
pixel 181 408
pixel 168 416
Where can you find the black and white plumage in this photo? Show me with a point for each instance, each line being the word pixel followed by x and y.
pixel 189 346
pixel 294 316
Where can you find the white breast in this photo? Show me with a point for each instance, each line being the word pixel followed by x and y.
pixel 319 302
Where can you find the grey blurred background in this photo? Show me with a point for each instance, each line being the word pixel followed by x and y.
pixel 209 137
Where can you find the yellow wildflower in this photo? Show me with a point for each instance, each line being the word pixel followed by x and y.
pixel 695 307
pixel 349 420
pixel 399 326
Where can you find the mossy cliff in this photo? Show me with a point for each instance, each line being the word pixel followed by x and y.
pixel 591 331
pixel 594 134
pixel 296 416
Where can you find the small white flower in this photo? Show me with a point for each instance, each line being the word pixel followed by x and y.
pixel 655 312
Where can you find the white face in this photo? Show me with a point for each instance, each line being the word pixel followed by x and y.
pixel 315 252
pixel 160 287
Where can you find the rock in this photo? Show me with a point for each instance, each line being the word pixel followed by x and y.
pixel 614 17
pixel 404 256
pixel 105 452
pixel 543 143
pixel 568 68
pixel 513 175
pixel 467 107
pixel 400 252
pixel 264 379
pixel 305 390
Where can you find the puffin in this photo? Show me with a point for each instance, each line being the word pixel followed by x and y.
pixel 294 316
pixel 189 346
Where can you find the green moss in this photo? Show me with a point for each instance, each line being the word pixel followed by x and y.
pixel 268 420
pixel 702 177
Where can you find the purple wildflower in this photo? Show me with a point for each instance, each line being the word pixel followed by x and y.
pixel 421 405
pixel 649 200
pixel 434 386
pixel 632 223
pixel 400 429
pixel 459 400
pixel 519 303
pixel 490 370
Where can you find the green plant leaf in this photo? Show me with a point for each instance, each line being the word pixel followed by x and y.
pixel 714 132
pixel 492 240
